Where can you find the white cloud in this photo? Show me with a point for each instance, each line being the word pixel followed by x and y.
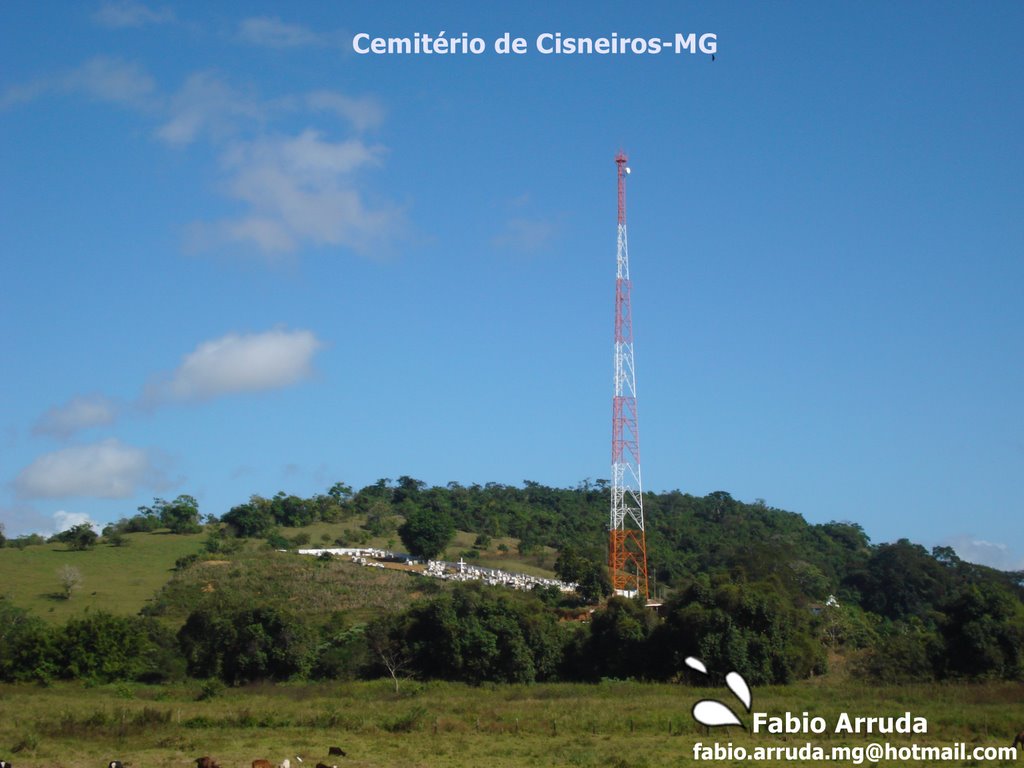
pixel 63 521
pixel 364 112
pixel 275 33
pixel 300 190
pixel 78 413
pixel 107 469
pixel 120 14
pixel 239 363
pixel 992 554
pixel 294 190
pixel 103 78
pixel 111 79
pixel 526 235
pixel 205 103
pixel 20 94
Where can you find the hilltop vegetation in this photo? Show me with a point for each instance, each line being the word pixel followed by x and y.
pixel 747 587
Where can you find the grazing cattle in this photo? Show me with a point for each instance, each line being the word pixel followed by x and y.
pixel 206 762
pixel 1019 739
pixel 286 763
pixel 336 751
pixel 115 764
pixel 4 764
pixel 324 765
pixel 262 764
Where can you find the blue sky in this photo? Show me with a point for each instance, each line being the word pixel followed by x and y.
pixel 237 257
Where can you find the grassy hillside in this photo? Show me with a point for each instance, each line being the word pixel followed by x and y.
pixel 120 580
pixel 123 580
pixel 300 584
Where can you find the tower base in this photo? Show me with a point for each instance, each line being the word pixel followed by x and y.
pixel 627 562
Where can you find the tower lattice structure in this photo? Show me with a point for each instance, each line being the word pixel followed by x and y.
pixel 627 544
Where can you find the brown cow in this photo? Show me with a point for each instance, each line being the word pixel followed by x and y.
pixel 206 762
pixel 1019 739
pixel 261 763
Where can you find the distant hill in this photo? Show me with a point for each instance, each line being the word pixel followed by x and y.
pixel 745 586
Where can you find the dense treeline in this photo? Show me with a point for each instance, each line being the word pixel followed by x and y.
pixel 98 647
pixel 747 587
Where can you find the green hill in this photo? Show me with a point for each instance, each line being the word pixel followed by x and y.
pixel 141 574
pixel 745 586
pixel 119 580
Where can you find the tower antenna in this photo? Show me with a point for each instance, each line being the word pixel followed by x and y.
pixel 627 544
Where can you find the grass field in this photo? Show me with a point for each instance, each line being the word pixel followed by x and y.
pixel 440 725
pixel 116 579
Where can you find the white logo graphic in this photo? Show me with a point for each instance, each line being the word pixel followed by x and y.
pixel 710 712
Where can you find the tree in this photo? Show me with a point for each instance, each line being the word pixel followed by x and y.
pixel 105 647
pixel 70 579
pixel 116 538
pixel 477 634
pixel 292 511
pixel 253 520
pixel 590 575
pixel 28 540
pixel 180 515
pixel 753 628
pixel 901 580
pixel 426 532
pixel 79 537
pixel 408 488
pixel 618 634
pixel 25 645
pixel 246 644
pixel 378 520
pixel 983 632
pixel 341 493
pixel 906 651
pixel 385 640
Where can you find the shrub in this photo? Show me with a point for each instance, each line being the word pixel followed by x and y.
pixel 210 689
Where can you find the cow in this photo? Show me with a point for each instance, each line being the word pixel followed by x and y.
pixel 336 751
pixel 115 764
pixel 4 764
pixel 324 765
pixel 206 762
pixel 1019 739
pixel 261 763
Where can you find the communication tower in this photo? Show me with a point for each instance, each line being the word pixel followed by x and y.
pixel 627 544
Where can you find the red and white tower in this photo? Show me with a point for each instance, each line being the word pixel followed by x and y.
pixel 627 545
